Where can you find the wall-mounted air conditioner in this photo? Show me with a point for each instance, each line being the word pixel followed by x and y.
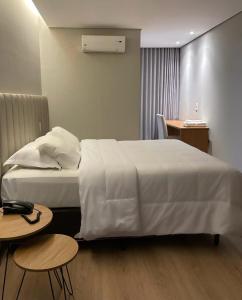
pixel 103 43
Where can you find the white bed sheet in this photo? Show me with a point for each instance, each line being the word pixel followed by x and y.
pixel 53 188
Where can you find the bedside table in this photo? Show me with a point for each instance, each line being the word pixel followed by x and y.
pixel 14 227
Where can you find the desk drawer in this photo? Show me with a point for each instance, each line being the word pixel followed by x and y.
pixel 172 131
pixel 196 137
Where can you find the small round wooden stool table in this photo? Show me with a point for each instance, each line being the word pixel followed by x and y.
pixel 14 227
pixel 50 252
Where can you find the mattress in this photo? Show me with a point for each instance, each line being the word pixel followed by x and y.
pixel 53 188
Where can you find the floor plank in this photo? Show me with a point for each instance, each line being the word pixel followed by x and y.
pixel 167 268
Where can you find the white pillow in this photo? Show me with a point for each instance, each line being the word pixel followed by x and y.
pixel 65 152
pixel 66 135
pixel 29 156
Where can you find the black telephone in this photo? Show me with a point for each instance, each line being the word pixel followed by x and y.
pixel 17 207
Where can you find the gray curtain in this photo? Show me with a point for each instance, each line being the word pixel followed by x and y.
pixel 160 72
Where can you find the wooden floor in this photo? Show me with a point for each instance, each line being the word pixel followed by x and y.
pixel 169 268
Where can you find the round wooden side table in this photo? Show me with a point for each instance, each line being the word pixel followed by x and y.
pixel 50 252
pixel 14 227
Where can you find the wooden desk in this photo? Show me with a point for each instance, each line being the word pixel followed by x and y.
pixel 194 136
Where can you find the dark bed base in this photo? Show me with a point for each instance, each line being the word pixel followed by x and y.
pixel 68 221
pixel 216 239
pixel 65 220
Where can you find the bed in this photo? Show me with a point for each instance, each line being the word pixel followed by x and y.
pixel 143 188
pixel 135 188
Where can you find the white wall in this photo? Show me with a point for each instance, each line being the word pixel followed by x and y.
pixel 19 48
pixel 94 95
pixel 211 74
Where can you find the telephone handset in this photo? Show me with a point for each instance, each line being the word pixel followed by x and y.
pixel 22 208
pixel 17 207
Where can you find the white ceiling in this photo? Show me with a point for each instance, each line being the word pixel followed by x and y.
pixel 163 22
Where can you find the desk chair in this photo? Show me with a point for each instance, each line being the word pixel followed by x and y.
pixel 162 128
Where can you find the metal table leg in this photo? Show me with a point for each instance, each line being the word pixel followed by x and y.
pixel 22 280
pixel 52 290
pixel 67 287
pixel 5 272
pixel 1 252
pixel 58 278
pixel 21 284
pixel 63 282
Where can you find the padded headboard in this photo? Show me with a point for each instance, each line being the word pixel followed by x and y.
pixel 23 118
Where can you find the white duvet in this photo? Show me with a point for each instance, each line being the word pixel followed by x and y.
pixel 134 188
